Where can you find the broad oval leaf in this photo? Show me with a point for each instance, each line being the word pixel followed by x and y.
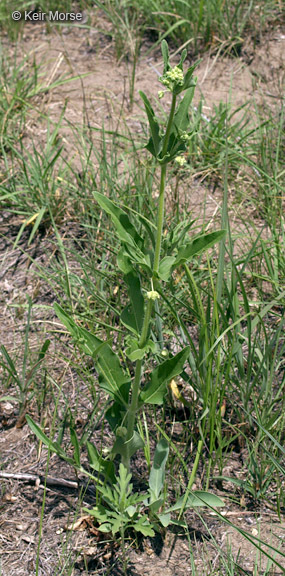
pixel 165 519
pixel 200 244
pixel 157 473
pixel 197 498
pixel 128 448
pixel 153 124
pixel 155 390
pixel 165 55
pixel 112 377
pixel 165 267
pixel 133 315
pixel 126 231
pixel 181 117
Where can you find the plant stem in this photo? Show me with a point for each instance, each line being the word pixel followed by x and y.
pixel 169 125
pixel 146 322
pixel 132 411
pixel 160 218
pixel 160 215
pixel 133 406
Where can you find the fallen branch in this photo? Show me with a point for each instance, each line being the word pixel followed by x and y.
pixel 45 480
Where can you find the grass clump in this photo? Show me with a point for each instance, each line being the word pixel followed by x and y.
pixel 18 86
pixel 199 25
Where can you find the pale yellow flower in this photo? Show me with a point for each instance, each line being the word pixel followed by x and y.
pixel 181 161
pixel 152 295
pixel 172 78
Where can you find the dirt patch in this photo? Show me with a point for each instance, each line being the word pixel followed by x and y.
pixel 258 75
pixel 98 92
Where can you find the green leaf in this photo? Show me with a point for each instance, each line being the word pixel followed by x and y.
pixel 165 267
pixel 126 231
pixel 133 315
pixel 44 349
pixel 10 363
pixel 143 525
pixel 116 414
pixel 52 446
pixel 99 512
pixel 154 505
pixel 131 510
pixel 128 448
pixel 38 432
pixel 157 473
pixel 198 498
pixel 135 352
pixel 36 225
pixel 112 377
pixel 117 522
pixel 176 236
pixel 129 320
pixel 189 81
pixel 100 464
pixel 175 147
pixel 149 227
pixel 75 444
pixel 150 147
pixel 105 528
pixel 124 262
pixel 165 56
pixel 94 456
pixel 87 341
pixel 165 519
pixel 10 399
pixel 240 483
pixel 200 244
pixel 180 523
pixel 139 258
pixel 153 124
pixel 155 390
pixel 181 118
pixel 182 58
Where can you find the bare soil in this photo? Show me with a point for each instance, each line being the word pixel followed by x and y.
pixel 99 93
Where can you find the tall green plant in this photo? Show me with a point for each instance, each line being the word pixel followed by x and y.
pixel 145 274
pixel 137 261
